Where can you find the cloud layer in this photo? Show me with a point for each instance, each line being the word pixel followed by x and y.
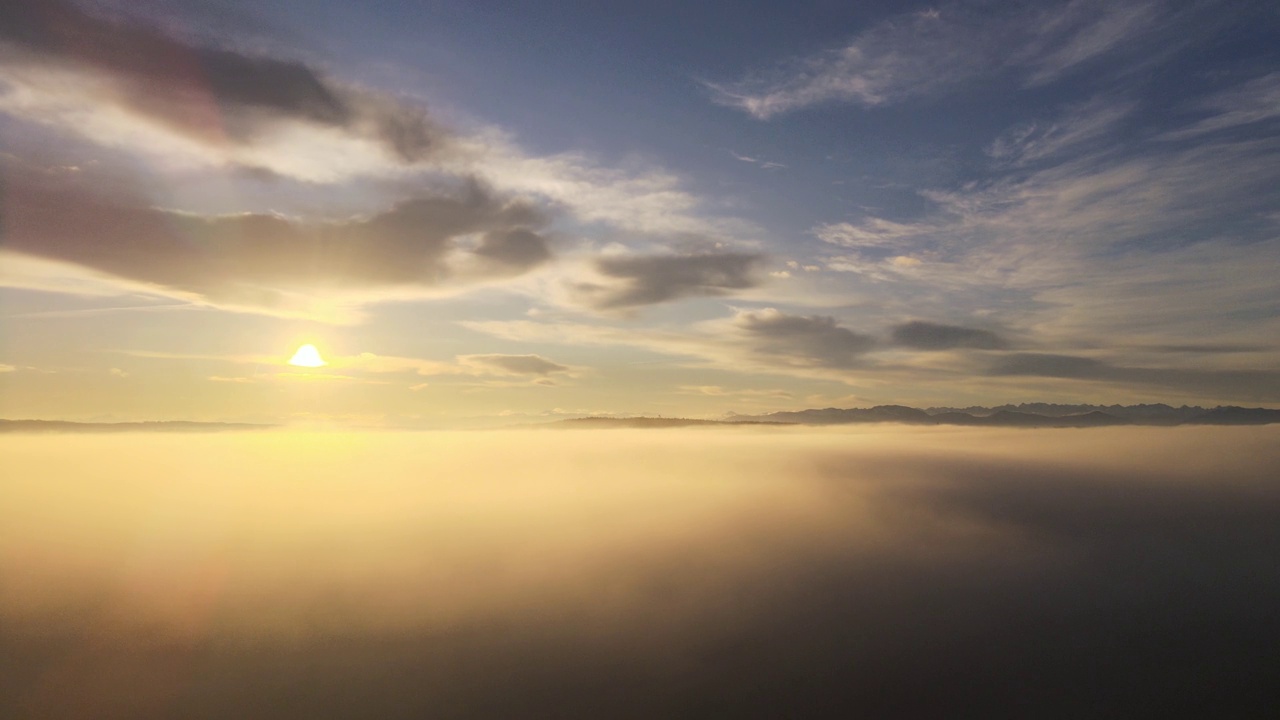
pixel 753 573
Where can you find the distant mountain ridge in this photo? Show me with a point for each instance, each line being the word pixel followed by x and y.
pixel 1152 411
pixel 1025 415
pixel 46 426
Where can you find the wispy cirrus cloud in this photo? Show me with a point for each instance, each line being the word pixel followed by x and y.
pixel 1255 101
pixel 1076 128
pixel 490 364
pixel 871 232
pixel 933 52
pixel 745 394
pixel 1092 236
pixel 1099 224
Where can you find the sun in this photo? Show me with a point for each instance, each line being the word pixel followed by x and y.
pixel 307 356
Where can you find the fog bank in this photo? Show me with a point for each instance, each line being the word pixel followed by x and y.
pixel 741 572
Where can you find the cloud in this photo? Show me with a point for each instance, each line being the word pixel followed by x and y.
pixel 814 340
pixel 483 365
pixel 174 106
pixel 636 196
pixel 1078 127
pixel 763 164
pixel 1083 245
pixel 767 341
pixel 262 261
pixel 1240 384
pixel 636 280
pixel 746 393
pixel 368 362
pixel 1209 348
pixel 516 250
pixel 920 335
pixel 1255 101
pixel 7 368
pixel 745 573
pixel 871 232
pixel 932 53
pixel 218 97
pixel 513 364
pixel 1076 32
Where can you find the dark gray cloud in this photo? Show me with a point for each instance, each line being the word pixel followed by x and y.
pixel 1050 365
pixel 814 340
pixel 1208 348
pixel 920 335
pixel 515 364
pixel 1254 385
pixel 212 94
pixel 250 258
pixel 648 280
pixel 516 249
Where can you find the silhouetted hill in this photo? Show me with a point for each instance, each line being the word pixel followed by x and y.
pixel 836 416
pixel 1157 413
pixel 1023 416
pixel 647 422
pixel 1009 418
pixel 47 426
pixel 1094 419
pixel 1232 415
pixel 955 417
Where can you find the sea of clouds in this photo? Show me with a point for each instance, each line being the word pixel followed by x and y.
pixel 720 572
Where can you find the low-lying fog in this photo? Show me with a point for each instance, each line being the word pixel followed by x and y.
pixel 741 572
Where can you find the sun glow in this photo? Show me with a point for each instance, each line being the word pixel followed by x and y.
pixel 307 356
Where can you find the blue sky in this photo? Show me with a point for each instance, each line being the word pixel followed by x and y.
pixel 534 209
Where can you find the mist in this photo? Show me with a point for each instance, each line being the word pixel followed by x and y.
pixel 718 572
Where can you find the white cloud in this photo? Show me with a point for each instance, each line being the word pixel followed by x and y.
pixel 930 53
pixel 281 117
pixel 745 393
pixel 871 232
pixel 1252 102
pixel 635 196
pixel 1104 246
pixel 1073 129
pixel 1082 30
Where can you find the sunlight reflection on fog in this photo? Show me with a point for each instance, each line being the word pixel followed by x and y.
pixel 490 571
